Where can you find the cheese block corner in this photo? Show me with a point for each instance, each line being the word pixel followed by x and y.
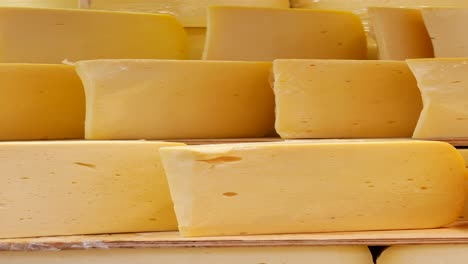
pixel 425 254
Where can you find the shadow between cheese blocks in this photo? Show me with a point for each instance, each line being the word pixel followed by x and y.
pixel 271 255
pixel 83 187
pixel 424 254
pixel 155 99
pixel 40 101
pixel 314 186
pixel 39 35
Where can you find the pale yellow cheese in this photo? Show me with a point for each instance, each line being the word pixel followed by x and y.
pixel 400 33
pixel 154 99
pixel 314 186
pixel 40 101
pixel 270 255
pixel 464 153
pixel 447 28
pixel 444 88
pixel 83 187
pixel 41 3
pixel 425 254
pixel 345 99
pixel 265 34
pixel 192 13
pixel 38 35
pixel 196 42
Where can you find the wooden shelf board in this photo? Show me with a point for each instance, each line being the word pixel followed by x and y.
pixel 456 234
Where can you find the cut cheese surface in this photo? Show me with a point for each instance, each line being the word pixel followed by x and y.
pixel 400 33
pixel 424 254
pixel 38 35
pixel 151 99
pixel 41 3
pixel 40 101
pixel 464 216
pixel 315 186
pixel 83 187
pixel 345 99
pixel 444 87
pixel 447 28
pixel 191 13
pixel 270 255
pixel 265 34
pixel 196 41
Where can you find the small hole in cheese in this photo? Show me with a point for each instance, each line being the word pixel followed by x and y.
pixel 230 194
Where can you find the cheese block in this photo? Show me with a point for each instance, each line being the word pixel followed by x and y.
pixel 40 101
pixel 447 28
pixel 265 34
pixel 83 187
pixel 192 13
pixel 41 3
pixel 444 88
pixel 270 255
pixel 155 99
pixel 464 153
pixel 424 254
pixel 196 42
pixel 345 99
pixel 314 186
pixel 400 33
pixel 67 34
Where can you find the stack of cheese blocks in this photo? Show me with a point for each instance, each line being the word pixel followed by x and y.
pixel 337 98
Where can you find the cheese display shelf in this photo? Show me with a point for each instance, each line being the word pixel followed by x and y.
pixel 455 234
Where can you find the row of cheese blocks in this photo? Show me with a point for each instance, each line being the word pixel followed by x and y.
pixel 170 99
pixel 233 33
pixel 89 187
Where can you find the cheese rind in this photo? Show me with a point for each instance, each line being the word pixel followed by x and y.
pixel 153 99
pixel 41 3
pixel 235 33
pixel 199 255
pixel 444 87
pixel 315 186
pixel 196 41
pixel 191 13
pixel 424 254
pixel 464 216
pixel 345 99
pixel 83 187
pixel 400 33
pixel 447 28
pixel 40 101
pixel 66 34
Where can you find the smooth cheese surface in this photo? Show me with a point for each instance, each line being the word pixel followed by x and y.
pixel 38 35
pixel 41 3
pixel 151 99
pixel 83 187
pixel 191 13
pixel 424 254
pixel 444 87
pixel 270 255
pixel 265 34
pixel 447 28
pixel 464 153
pixel 196 41
pixel 40 101
pixel 345 99
pixel 400 33
pixel 315 186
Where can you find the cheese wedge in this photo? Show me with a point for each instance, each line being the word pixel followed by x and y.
pixel 444 88
pixel 41 3
pixel 151 99
pixel 265 34
pixel 400 33
pixel 196 42
pixel 345 99
pixel 83 187
pixel 464 153
pixel 270 255
pixel 40 101
pixel 447 28
pixel 40 35
pixel 192 13
pixel 424 254
pixel 314 186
